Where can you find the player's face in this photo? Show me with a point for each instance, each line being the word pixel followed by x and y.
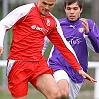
pixel 45 6
pixel 73 11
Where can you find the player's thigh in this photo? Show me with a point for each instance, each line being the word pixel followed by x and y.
pixel 47 85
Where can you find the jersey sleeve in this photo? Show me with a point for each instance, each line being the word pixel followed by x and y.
pixel 58 39
pixel 92 39
pixel 7 22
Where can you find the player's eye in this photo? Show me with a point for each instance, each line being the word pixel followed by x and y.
pixel 47 4
pixel 68 8
pixel 44 3
pixel 76 8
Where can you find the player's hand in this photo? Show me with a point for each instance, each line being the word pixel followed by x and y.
pixel 86 76
pixel 1 50
pixel 85 24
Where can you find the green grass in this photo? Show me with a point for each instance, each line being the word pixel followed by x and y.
pixel 34 94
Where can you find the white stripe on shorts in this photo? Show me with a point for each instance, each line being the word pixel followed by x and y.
pixel 10 64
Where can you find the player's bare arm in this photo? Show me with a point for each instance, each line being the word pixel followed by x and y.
pixel 1 50
pixel 85 24
pixel 86 76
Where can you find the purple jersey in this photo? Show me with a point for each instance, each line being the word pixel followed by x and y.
pixel 74 34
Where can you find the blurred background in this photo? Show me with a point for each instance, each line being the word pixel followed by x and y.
pixel 91 11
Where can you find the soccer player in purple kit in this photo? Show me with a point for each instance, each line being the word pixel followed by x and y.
pixel 81 33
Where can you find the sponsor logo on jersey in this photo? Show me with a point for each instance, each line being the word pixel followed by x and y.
pixel 34 27
pixel 74 40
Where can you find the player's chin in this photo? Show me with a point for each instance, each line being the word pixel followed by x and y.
pixel 72 19
pixel 45 13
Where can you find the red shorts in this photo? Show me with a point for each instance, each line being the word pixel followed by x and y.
pixel 23 72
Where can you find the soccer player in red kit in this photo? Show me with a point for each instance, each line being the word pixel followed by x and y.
pixel 30 23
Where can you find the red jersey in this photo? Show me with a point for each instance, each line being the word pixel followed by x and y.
pixel 29 30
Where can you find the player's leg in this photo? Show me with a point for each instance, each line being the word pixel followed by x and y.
pixel 47 85
pixel 63 87
pixel 43 80
pixel 68 88
pixel 62 80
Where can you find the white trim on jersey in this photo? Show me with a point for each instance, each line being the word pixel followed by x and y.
pixel 89 44
pixel 12 18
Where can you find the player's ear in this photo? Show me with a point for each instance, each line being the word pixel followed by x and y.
pixel 64 8
pixel 81 10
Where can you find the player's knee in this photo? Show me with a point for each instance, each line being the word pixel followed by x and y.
pixel 56 96
pixel 65 95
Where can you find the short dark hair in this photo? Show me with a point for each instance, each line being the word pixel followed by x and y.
pixel 69 2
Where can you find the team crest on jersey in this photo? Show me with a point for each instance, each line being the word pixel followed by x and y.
pixel 48 22
pixel 81 30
